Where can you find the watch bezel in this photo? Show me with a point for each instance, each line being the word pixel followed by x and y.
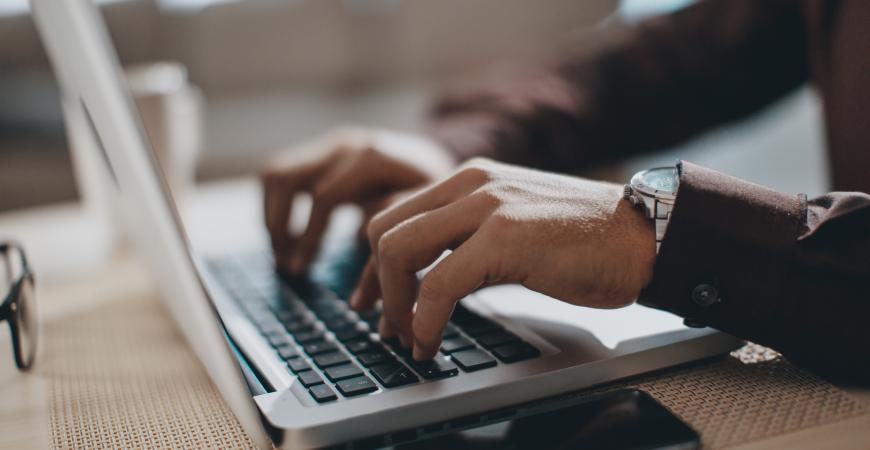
pixel 638 185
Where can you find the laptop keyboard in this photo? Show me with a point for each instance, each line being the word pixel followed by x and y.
pixel 334 351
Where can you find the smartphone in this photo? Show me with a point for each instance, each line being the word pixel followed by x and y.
pixel 623 419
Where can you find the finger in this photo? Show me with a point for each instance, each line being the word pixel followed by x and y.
pixel 433 197
pixel 278 195
pixel 368 289
pixel 375 205
pixel 415 244
pixel 283 178
pixel 326 194
pixel 350 180
pixel 454 277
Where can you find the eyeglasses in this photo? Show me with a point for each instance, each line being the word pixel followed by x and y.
pixel 19 305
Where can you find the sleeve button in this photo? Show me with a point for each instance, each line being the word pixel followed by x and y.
pixel 705 295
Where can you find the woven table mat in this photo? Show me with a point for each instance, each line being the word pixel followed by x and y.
pixel 121 376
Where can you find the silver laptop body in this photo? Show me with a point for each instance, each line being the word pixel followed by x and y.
pixel 222 298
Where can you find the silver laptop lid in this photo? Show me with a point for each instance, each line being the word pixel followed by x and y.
pixel 89 73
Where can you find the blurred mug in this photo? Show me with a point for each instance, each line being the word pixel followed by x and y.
pixel 171 112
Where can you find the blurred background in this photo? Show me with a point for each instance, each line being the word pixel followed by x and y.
pixel 269 73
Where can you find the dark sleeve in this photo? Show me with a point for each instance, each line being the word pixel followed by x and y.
pixel 773 268
pixel 633 88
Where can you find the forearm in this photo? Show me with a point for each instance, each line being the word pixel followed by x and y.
pixel 788 273
pixel 633 88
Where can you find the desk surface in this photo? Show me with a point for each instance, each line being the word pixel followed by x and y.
pixel 25 415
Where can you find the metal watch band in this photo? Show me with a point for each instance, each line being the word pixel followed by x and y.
pixel 661 215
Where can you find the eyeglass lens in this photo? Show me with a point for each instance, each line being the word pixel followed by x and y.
pixel 26 323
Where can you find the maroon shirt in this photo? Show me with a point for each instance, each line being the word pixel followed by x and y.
pixel 789 273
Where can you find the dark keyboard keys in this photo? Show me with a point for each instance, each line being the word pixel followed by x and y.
pixel 455 344
pixel 474 359
pixel 299 325
pixel 322 393
pixel 393 374
pixel 318 347
pixel 339 323
pixel 437 367
pixel 461 314
pixel 518 351
pixel 362 346
pixel 342 371
pixel 373 358
pixel 308 336
pixel 350 334
pixel 298 365
pixel 324 360
pixel 309 378
pixel 449 332
pixel 288 352
pixel 356 386
pixel 396 345
pixel 280 339
pixel 480 327
pixel 498 338
pixel 371 317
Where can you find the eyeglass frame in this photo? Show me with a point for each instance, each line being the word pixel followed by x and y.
pixel 10 305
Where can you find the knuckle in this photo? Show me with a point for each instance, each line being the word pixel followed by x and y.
pixel 475 173
pixel 269 175
pixel 431 289
pixel 389 250
pixel 374 230
pixel 501 222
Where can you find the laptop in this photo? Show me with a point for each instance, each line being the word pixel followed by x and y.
pixel 298 368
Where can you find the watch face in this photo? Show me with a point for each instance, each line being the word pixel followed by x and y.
pixel 658 181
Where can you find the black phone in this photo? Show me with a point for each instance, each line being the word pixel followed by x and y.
pixel 621 419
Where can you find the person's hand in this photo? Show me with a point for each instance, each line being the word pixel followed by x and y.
pixel 569 238
pixel 351 165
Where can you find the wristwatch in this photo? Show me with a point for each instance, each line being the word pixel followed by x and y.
pixel 655 191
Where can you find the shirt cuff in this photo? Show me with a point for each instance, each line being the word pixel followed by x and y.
pixel 723 260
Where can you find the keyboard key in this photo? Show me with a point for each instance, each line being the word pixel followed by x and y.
pixel 309 378
pixel 437 367
pixel 449 332
pixel 318 347
pixel 280 339
pixel 373 358
pixel 342 371
pixel 322 393
pixel 298 365
pixel 350 334
pixel 269 328
pixel 330 359
pixel 471 360
pixel 461 315
pixel 371 317
pixel 479 327
pixel 356 386
pixel 308 336
pixel 396 345
pixel 300 325
pixel 361 346
pixel 498 338
pixel 518 351
pixel 394 374
pixel 339 323
pixel 456 344
pixel 288 352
